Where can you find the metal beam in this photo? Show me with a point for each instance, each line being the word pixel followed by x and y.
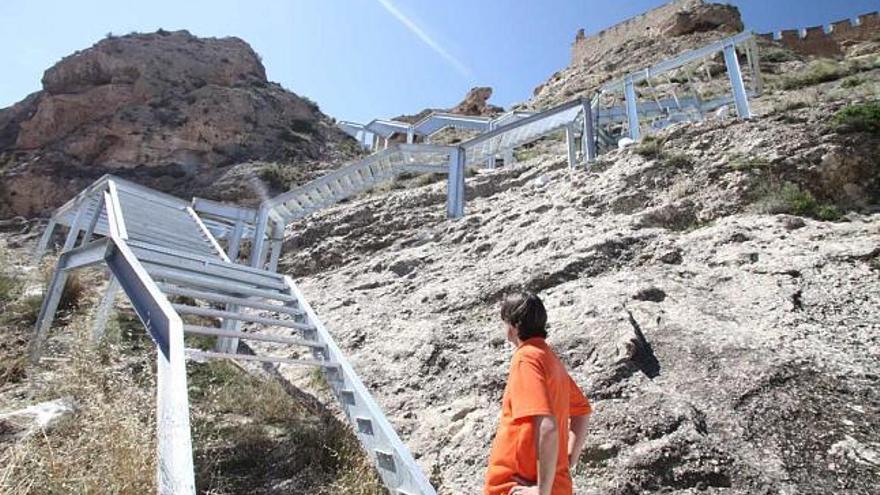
pixel 740 98
pixel 632 112
pixel 455 184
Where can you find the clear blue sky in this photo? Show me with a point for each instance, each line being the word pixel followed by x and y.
pixel 361 59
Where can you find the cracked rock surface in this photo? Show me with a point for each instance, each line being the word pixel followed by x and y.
pixel 725 350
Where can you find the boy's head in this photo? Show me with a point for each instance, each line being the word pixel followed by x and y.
pixel 525 313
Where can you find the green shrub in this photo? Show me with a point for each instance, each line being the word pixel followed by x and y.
pixel 828 212
pixel 748 162
pixel 777 55
pixel 793 200
pixel 650 147
pixel 9 288
pixel 305 126
pixel 677 160
pixel 852 82
pixel 816 72
pixel 858 118
pixel 280 177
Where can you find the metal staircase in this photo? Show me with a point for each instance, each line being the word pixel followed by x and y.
pixel 157 249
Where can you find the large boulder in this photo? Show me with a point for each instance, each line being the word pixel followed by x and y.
pixel 167 109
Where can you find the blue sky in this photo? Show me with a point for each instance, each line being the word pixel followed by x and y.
pixel 361 59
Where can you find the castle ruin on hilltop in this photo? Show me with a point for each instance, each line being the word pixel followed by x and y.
pixel 682 17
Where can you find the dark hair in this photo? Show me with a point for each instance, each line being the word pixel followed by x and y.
pixel 526 312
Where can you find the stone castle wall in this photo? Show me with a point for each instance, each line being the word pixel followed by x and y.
pixel 676 18
pixel 829 40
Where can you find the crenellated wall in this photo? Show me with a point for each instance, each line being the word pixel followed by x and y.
pixel 829 40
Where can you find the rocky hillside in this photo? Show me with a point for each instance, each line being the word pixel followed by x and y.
pixel 712 289
pixel 167 109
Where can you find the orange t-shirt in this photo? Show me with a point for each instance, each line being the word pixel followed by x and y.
pixel 538 385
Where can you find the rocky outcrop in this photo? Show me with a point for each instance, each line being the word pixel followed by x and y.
pixel 705 17
pixel 475 102
pixel 167 109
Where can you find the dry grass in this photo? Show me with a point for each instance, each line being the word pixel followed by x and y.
pixel 252 436
pixel 108 445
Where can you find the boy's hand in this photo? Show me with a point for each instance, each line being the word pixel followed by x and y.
pixel 524 490
pixel 523 487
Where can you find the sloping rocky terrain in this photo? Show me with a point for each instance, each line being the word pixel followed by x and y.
pixel 475 102
pixel 166 109
pixel 713 290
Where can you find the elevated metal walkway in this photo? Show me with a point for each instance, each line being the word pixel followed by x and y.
pixel 157 248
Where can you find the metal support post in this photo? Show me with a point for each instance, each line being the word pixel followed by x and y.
pixel 755 66
pixel 234 244
pixel 45 239
pixel 570 145
pixel 175 467
pixel 410 135
pixel 740 98
pixel 455 185
pixel 632 111
pixel 259 237
pixel 508 158
pixel 588 138
pixel 277 243
pixel 99 325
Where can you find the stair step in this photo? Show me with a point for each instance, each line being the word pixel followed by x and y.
pixel 199 354
pixel 232 315
pixel 219 332
pixel 218 269
pixel 216 297
pixel 199 280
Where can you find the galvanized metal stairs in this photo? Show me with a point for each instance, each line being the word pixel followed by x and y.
pixel 158 251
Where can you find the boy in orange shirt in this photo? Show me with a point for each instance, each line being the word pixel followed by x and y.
pixel 533 451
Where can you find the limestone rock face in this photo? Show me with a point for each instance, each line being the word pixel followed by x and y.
pixel 706 17
pixel 475 102
pixel 166 109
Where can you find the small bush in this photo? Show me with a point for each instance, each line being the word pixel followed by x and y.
pixel 828 213
pixel 852 82
pixel 74 293
pixel 24 311
pixel 858 118
pixel 9 288
pixel 281 177
pixel 305 126
pixel 748 162
pixel 677 160
pixel 777 55
pixel 816 72
pixel 650 147
pixel 793 200
pixel 425 179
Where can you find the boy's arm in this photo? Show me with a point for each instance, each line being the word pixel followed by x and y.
pixel 548 452
pixel 576 440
